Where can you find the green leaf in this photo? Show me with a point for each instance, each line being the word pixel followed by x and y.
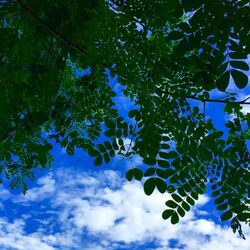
pixel 219 200
pixel 240 79
pixel 190 201
pixel 174 178
pixel 180 211
pixel 167 214
pixel 138 174
pixel 101 148
pixel 239 65
pixel 222 206
pixel 92 152
pixel 149 186
pixel 161 185
pixel 243 217
pixel 174 218
pixel 176 197
pixel 108 145
pixel 120 142
pixel 171 204
pixel 162 173
pixel 98 161
pixel 163 163
pixel 106 157
pixel 149 161
pixel 134 173
pixel 149 172
pixel 195 195
pixel 223 81
pixel 227 215
pixel 70 149
pixel 238 55
pixel 165 146
pixel 185 206
pixel 182 192
pixel 196 110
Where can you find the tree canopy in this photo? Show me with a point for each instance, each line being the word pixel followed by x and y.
pixel 169 58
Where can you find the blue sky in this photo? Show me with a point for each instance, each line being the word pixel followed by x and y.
pixel 75 205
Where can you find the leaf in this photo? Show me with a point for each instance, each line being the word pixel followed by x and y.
pixel 222 206
pixel 174 218
pixel 149 161
pixel 223 81
pixel 162 173
pixel 149 172
pixel 176 197
pixel 238 55
pixel 101 148
pixel 171 204
pixel 70 149
pixel 92 152
pixel 190 201
pixel 161 185
pixel 106 157
pixel 243 217
pixel 167 214
pixel 165 146
pixel 196 110
pixel 239 65
pixel 195 195
pixel 134 173
pixel 149 186
pixel 138 174
pixel 227 215
pixel 240 79
pixel 98 161
pixel 163 163
pixel 180 211
pixel 185 206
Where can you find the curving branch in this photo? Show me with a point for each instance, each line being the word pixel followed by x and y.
pixel 65 40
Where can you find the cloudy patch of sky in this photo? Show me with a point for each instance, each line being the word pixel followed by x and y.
pixel 77 208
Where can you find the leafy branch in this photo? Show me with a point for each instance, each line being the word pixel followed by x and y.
pixel 65 40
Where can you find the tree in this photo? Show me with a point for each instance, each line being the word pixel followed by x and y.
pixel 167 56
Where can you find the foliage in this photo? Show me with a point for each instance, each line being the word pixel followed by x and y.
pixel 167 57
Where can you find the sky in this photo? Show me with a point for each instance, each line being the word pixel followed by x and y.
pixel 75 205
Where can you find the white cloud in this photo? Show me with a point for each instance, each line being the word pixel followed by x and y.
pixel 102 211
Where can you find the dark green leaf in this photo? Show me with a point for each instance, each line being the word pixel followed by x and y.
pixel 223 81
pixel 163 163
pixel 174 218
pixel 226 215
pixel 240 79
pixel 161 185
pixel 171 204
pixel 239 65
pixel 149 186
pixel 98 161
pixel 180 211
pixel 167 214
pixel 149 172
pixel 176 197
pixel 185 206
pixel 222 206
pixel 149 161
pixel 243 217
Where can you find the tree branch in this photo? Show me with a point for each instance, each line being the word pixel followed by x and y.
pixel 65 40
pixel 219 101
